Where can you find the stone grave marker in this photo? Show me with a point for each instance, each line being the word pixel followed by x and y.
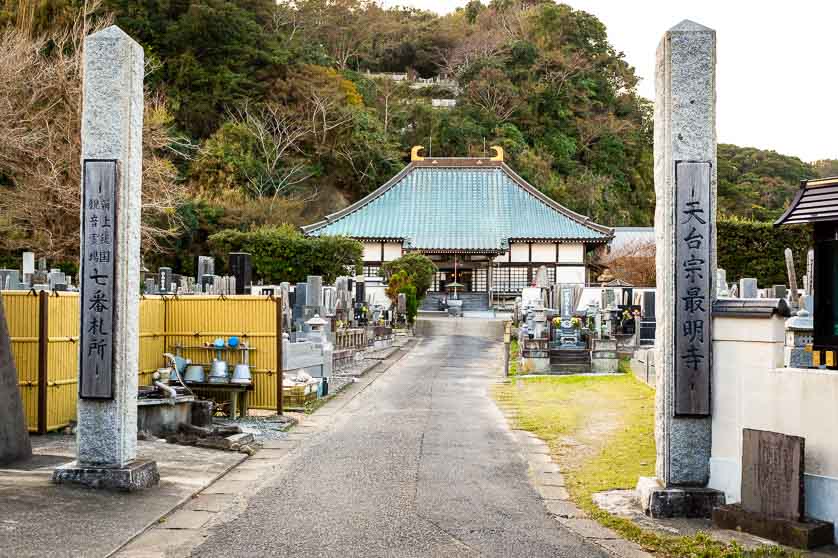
pixel 772 473
pixel 241 268
pixel 792 277
pixel 748 288
pixel 773 494
pixel 721 284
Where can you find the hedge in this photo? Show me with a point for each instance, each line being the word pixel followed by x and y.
pixel 284 254
pixel 756 249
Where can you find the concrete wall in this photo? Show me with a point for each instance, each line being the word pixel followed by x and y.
pixel 751 389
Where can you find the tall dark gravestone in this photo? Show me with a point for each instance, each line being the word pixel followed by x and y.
pixel 14 438
pixel 241 269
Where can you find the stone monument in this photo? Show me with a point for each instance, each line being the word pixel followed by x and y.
pixel 685 215
pixel 14 438
pixel 748 288
pixel 112 121
pixel 773 495
pixel 793 294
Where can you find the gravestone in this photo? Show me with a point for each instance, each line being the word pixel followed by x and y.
pixel 9 279
pixel 772 491
pixel 165 280
pixel 14 437
pixel 111 139
pixel 780 291
pixel 206 266
pixel 792 277
pixel 685 234
pixel 241 268
pixel 28 268
pixel 748 288
pixel 772 473
pixel 721 284
pixel 810 270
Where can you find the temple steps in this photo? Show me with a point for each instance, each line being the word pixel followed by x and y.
pixel 472 302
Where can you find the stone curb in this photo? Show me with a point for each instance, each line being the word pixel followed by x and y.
pixel 548 481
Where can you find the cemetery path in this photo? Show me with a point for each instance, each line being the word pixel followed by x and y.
pixel 420 463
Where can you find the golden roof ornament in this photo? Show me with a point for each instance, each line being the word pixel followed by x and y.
pixel 414 153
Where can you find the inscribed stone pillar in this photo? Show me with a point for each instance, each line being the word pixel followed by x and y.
pixel 685 218
pixel 112 122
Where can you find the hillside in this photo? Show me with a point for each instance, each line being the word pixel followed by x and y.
pixel 274 113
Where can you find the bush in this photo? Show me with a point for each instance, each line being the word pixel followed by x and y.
pixel 756 249
pixel 419 269
pixel 284 254
pixel 401 283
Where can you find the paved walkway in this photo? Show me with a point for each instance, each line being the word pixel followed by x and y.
pixel 420 463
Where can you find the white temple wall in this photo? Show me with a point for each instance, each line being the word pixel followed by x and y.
pixel 752 389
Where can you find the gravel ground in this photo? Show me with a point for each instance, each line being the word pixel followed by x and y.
pixel 263 428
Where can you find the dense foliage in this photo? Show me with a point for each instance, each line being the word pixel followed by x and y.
pixel 754 249
pixel 758 184
pixel 284 254
pixel 271 113
pixel 401 282
pixel 418 268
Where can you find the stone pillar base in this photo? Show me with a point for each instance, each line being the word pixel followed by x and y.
pixel 658 501
pixel 136 475
pixel 807 534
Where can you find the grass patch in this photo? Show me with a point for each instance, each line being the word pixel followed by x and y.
pixel 514 354
pixel 600 430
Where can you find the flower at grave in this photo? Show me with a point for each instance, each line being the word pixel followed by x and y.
pixel 575 322
pixel 557 321
pixel 626 315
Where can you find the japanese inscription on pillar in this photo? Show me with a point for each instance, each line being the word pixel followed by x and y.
pixel 97 281
pixel 693 289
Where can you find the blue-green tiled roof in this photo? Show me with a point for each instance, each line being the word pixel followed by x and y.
pixel 458 208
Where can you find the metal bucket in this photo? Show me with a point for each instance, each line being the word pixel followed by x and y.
pixel 218 372
pixel 194 374
pixel 241 375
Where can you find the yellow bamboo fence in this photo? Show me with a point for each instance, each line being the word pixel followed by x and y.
pixel 44 331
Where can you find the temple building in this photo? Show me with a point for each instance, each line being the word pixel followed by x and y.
pixel 486 229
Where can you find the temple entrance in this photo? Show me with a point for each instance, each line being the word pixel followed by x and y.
pixel 463 277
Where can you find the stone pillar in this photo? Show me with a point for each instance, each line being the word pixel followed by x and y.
pixel 14 438
pixel 112 122
pixel 685 217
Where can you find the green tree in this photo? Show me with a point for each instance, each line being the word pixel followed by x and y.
pixel 417 268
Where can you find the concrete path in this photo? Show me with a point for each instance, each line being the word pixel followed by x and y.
pixel 419 463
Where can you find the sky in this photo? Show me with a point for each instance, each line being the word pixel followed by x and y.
pixel 776 79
